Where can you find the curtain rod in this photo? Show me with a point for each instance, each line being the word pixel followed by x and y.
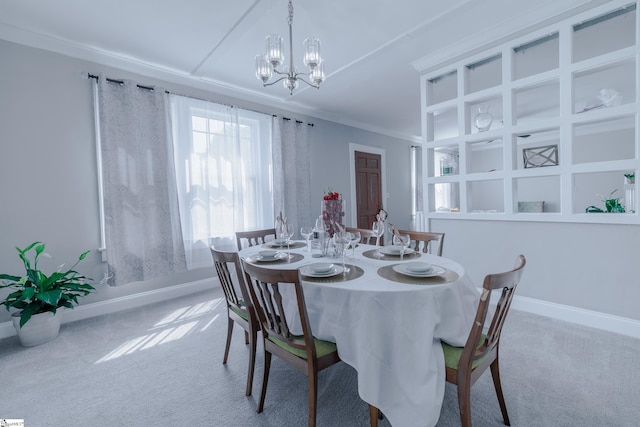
pixel 151 88
pixel 297 121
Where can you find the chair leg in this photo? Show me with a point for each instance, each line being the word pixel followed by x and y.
pixel 313 396
pixel 495 373
pixel 373 416
pixel 464 402
pixel 252 363
pixel 229 332
pixel 246 337
pixel 265 380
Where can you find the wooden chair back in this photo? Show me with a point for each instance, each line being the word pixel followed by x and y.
pixel 368 237
pixel 268 288
pixel 425 240
pixel 254 237
pixel 239 307
pixel 481 350
pixel 222 261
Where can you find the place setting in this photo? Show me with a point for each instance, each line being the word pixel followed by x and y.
pixel 391 253
pixel 274 257
pixel 329 272
pixel 417 273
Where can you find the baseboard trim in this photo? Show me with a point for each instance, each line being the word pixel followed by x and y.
pixel 580 316
pixel 589 318
pixel 114 305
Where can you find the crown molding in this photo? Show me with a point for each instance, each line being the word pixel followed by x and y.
pixel 255 99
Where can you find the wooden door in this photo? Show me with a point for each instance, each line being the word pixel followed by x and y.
pixel 368 171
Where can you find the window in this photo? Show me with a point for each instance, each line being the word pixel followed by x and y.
pixel 224 172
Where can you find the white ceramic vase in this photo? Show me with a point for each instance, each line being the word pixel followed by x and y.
pixel 41 328
pixel 483 119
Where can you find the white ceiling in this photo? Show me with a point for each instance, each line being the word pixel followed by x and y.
pixel 369 46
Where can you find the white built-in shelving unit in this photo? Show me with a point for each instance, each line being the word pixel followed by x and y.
pixel 542 91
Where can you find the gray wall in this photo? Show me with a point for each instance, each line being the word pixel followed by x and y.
pixel 330 167
pixel 49 193
pixel 590 266
pixel 48 162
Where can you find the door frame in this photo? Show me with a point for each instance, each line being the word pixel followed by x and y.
pixel 353 147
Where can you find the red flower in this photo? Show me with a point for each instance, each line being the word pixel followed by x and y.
pixel 331 195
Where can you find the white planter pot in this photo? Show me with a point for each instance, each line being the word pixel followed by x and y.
pixel 41 328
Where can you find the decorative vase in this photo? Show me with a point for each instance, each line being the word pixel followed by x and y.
pixel 41 328
pixel 483 119
pixel 630 194
pixel 332 214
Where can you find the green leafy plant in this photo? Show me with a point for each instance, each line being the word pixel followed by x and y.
pixel 611 204
pixel 631 177
pixel 35 292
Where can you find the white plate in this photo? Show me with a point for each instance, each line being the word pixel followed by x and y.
pixel 321 267
pixel 394 250
pixel 279 256
pixel 417 267
pixel 279 244
pixel 436 270
pixel 307 270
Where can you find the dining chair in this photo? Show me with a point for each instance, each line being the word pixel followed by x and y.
pixel 254 237
pixel 424 240
pixel 368 237
pixel 239 309
pixel 304 352
pixel 464 365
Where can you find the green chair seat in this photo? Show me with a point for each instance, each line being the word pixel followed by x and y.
pixel 322 347
pixel 242 313
pixel 452 354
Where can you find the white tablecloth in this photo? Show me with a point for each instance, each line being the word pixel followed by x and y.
pixel 390 332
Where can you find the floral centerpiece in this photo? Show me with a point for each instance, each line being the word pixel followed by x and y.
pixel 332 212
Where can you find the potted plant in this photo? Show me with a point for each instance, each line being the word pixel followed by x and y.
pixel 612 205
pixel 36 297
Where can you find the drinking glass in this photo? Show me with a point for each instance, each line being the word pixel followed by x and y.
pixel 378 230
pixel 280 228
pixel 341 242
pixel 287 234
pixel 401 240
pixel 354 238
pixel 307 232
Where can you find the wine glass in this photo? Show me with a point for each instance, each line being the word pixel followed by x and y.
pixel 354 238
pixel 341 242
pixel 401 240
pixel 378 231
pixel 280 229
pixel 287 234
pixel 307 232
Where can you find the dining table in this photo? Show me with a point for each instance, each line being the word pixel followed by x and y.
pixel 387 317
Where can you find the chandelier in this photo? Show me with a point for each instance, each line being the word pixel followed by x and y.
pixel 268 63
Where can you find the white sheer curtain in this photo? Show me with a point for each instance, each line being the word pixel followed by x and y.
pixel 224 172
pixel 142 227
pixel 291 177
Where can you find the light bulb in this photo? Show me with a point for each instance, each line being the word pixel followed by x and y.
pixel 317 75
pixel 275 53
pixel 264 70
pixel 311 52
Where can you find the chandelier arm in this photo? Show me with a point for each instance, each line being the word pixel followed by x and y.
pixel 276 81
pixel 310 84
